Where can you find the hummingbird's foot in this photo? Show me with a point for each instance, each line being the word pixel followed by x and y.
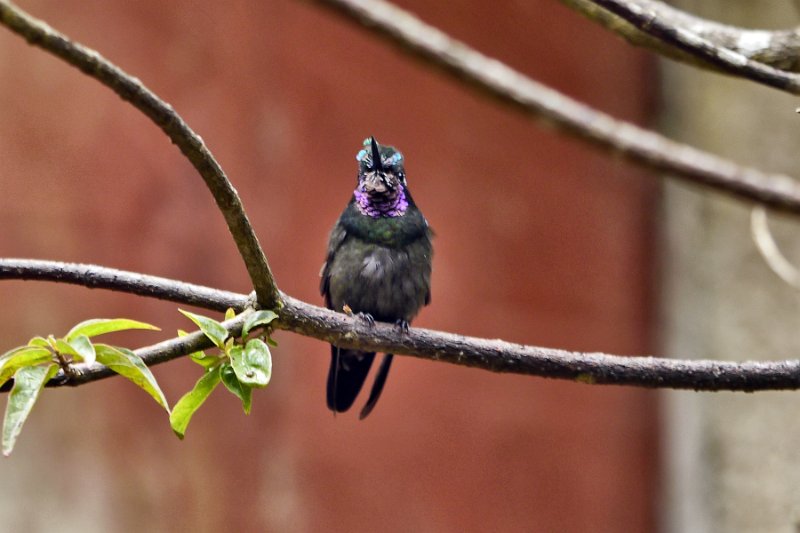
pixel 366 317
pixel 402 325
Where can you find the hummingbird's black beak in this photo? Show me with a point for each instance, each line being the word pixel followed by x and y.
pixel 377 164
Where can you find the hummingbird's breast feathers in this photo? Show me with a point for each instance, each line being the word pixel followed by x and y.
pixel 392 232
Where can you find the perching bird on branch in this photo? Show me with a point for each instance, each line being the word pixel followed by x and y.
pixel 378 266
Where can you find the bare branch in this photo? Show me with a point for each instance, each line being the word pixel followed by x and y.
pixel 92 64
pixel 96 277
pixel 494 355
pixel 779 48
pixel 648 21
pixel 643 147
pixel 501 356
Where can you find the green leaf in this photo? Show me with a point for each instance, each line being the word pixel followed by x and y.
pixel 259 318
pixel 200 357
pixel 28 383
pixel 210 327
pixel 83 346
pixel 65 348
pixel 39 341
pixel 21 357
pixel 13 351
pixel 205 360
pixel 243 392
pixel 253 363
pixel 126 363
pixel 229 313
pixel 191 402
pixel 99 326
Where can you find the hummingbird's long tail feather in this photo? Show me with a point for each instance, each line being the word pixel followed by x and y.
pixel 377 386
pixel 346 376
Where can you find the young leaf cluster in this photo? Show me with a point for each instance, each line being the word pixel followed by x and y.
pixel 241 366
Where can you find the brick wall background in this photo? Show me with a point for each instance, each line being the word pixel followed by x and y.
pixel 539 240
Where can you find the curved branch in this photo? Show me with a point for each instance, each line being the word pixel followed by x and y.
pixel 777 48
pixel 191 145
pixel 643 147
pixel 769 249
pixel 340 329
pixel 648 20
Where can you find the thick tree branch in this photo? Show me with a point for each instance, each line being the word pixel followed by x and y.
pixel 494 355
pixel 91 63
pixel 778 48
pixel 646 19
pixel 643 147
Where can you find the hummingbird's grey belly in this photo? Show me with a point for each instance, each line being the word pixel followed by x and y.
pixel 388 283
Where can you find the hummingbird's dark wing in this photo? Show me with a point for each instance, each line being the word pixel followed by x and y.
pixel 349 368
pixel 338 235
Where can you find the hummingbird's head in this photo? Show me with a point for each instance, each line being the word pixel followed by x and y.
pixel 381 189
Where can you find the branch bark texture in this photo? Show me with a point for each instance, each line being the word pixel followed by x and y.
pixel 777 48
pixel 646 19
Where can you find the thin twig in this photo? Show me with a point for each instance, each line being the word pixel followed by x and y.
pixel 338 328
pixel 152 355
pixel 770 252
pixel 725 59
pixel 643 147
pixel 91 63
pixel 777 48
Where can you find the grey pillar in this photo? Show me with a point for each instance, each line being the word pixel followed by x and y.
pixel 732 460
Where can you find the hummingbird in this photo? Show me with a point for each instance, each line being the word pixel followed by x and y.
pixel 378 267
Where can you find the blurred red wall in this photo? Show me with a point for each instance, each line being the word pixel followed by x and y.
pixel 539 240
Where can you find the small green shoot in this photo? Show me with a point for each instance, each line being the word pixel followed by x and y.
pixel 241 365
